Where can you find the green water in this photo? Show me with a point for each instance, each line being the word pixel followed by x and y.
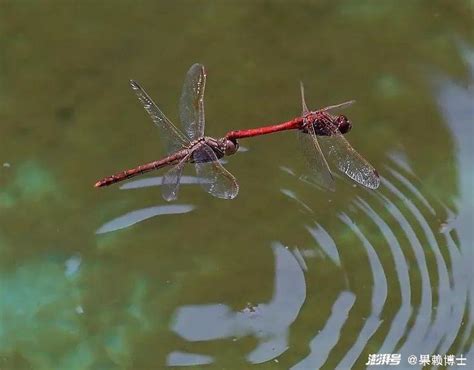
pixel 286 275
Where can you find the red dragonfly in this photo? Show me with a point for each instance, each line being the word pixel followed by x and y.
pixel 191 146
pixel 330 129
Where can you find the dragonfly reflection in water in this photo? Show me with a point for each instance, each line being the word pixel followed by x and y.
pixel 191 146
pixel 330 129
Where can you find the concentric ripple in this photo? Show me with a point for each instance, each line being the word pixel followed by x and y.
pixel 419 308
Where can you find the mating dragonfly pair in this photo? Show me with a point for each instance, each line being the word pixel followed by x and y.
pixel 314 128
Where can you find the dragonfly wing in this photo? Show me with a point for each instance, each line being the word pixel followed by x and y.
pixel 319 172
pixel 328 108
pixel 339 106
pixel 172 137
pixel 304 107
pixel 213 177
pixel 171 180
pixel 191 103
pixel 347 160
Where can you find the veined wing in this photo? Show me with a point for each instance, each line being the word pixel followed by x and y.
pixel 191 103
pixel 305 109
pixel 171 180
pixel 347 160
pixel 172 138
pixel 319 172
pixel 339 106
pixel 214 178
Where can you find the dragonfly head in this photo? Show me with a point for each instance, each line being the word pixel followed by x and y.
pixel 343 124
pixel 230 146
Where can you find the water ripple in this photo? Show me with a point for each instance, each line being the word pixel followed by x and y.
pixel 433 335
pixel 139 215
pixel 411 187
pixel 268 322
pixel 379 295
pixel 433 278
pixel 322 344
pixel 326 242
pixel 422 320
pixel 400 320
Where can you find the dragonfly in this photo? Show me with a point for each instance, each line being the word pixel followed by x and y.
pixel 318 129
pixel 189 145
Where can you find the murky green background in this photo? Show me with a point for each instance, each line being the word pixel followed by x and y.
pixel 286 275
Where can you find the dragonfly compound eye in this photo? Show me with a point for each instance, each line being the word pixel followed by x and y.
pixel 343 124
pixel 231 147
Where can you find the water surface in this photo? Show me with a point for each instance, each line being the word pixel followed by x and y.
pixel 286 275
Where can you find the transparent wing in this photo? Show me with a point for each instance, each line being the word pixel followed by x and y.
pixel 339 106
pixel 304 107
pixel 214 178
pixel 172 138
pixel 171 180
pixel 331 107
pixel 319 172
pixel 347 160
pixel 191 103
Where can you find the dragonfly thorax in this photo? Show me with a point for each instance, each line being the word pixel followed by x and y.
pixel 220 147
pixel 223 146
pixel 325 124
